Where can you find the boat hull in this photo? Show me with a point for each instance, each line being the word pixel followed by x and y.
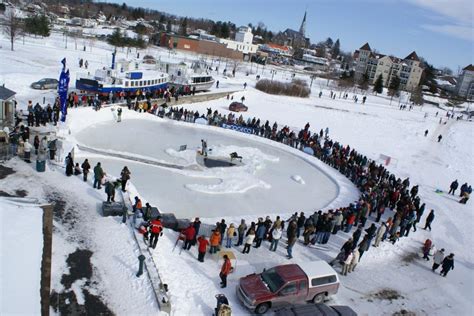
pixel 95 86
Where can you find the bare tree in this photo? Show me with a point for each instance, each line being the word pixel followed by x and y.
pixel 11 25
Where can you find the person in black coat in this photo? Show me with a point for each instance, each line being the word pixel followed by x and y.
pixel 347 247
pixel 69 165
pixel 370 234
pixel 429 220
pixel 453 187
pixel 300 224
pixel 448 264
pixel 197 226
pixel 356 237
pixel 85 169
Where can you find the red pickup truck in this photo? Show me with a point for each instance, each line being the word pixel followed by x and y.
pixel 288 284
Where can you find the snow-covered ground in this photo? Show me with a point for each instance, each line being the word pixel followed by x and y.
pixel 21 247
pixel 373 128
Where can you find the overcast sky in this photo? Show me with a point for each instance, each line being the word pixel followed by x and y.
pixel 439 30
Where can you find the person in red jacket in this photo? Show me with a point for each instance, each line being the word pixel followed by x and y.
pixel 203 243
pixel 189 233
pixel 350 222
pixel 155 229
pixel 225 270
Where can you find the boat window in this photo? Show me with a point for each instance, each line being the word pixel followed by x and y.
pixel 148 83
pixel 126 83
pixel 132 83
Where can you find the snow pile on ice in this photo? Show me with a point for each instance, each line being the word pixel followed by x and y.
pixel 298 179
pixel 184 157
pixel 237 179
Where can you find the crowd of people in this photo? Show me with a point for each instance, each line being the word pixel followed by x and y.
pixel 381 192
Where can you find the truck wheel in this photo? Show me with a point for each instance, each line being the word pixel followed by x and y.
pixel 318 299
pixel 262 308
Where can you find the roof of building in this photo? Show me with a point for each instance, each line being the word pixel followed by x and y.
pixel 412 56
pixel 276 46
pixel 356 54
pixel 469 67
pixel 293 33
pixel 5 93
pixel 365 47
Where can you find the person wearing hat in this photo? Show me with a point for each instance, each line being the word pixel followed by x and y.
pixel 225 270
pixel 438 259
pixel 124 177
pixel 448 264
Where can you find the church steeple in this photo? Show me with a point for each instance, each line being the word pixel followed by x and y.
pixel 303 25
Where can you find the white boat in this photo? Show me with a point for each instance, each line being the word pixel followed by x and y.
pixel 195 78
pixel 124 76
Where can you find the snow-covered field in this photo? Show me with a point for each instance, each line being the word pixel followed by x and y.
pixel 373 129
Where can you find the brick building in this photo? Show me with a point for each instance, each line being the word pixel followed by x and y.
pixel 197 46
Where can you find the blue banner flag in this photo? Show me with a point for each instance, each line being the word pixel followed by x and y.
pixel 62 90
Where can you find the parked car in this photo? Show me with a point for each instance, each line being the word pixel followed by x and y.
pixel 238 107
pixel 316 310
pixel 288 284
pixel 45 83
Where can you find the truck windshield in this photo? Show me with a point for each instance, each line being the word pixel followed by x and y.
pixel 272 279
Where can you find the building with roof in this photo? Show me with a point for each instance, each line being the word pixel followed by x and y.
pixel 295 39
pixel 374 64
pixel 465 83
pixel 207 47
pixel 7 106
pixel 242 43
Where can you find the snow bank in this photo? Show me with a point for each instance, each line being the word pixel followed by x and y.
pixel 22 249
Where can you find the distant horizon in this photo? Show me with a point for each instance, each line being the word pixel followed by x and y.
pixel 440 31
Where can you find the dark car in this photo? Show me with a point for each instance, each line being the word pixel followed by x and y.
pixel 237 107
pixel 45 83
pixel 316 310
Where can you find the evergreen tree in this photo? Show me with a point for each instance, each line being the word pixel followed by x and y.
pixel 364 81
pixel 183 27
pixel 336 49
pixel 329 42
pixel 394 86
pixel 225 31
pixel 378 85
pixel 37 25
pixel 116 38
pixel 417 96
pixel 168 26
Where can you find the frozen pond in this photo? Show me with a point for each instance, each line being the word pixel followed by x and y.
pixel 271 179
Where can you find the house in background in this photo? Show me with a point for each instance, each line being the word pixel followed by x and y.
pixel 7 107
pixel 242 43
pixel 465 84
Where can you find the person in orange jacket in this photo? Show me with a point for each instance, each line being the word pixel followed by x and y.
pixel 203 243
pixel 225 270
pixel 156 229
pixel 215 241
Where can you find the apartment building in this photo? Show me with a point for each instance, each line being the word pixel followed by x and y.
pixel 408 69
pixel 465 85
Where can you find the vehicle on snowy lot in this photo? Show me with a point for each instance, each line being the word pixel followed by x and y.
pixel 238 107
pixel 315 310
pixel 288 284
pixel 45 83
